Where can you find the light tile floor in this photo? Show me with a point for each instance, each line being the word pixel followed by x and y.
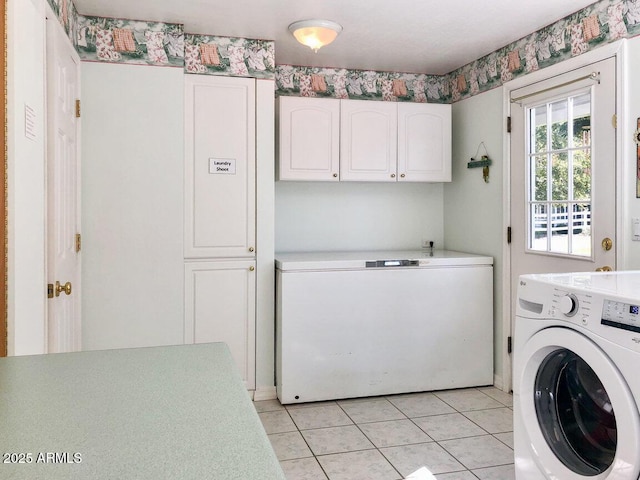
pixel 461 434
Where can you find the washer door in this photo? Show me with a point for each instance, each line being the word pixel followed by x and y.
pixel 587 421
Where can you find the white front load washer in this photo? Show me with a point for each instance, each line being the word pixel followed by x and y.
pixel 576 378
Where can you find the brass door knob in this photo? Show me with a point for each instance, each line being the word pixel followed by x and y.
pixel 252 268
pixel 606 268
pixel 66 288
pixel 251 249
pixel 607 244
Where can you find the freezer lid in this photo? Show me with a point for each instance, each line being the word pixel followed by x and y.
pixel 377 259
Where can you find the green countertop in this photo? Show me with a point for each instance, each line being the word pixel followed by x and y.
pixel 178 412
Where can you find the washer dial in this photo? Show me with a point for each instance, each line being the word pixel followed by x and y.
pixel 569 305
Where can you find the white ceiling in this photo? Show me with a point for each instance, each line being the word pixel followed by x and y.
pixel 419 36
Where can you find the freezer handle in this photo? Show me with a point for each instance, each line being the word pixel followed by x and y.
pixel 392 263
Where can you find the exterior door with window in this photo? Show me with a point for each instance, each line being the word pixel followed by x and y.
pixel 563 154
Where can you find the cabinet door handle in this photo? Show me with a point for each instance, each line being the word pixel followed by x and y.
pixel 335 175
pixel 393 175
pixel 402 175
pixel 252 268
pixel 251 249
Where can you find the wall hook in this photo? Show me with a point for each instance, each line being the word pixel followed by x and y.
pixel 483 162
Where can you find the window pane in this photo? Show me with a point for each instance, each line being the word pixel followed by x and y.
pixel 582 175
pixel 559 115
pixel 539 177
pixel 539 222
pixel 539 121
pixel 582 121
pixel 560 176
pixel 581 239
pixel 559 228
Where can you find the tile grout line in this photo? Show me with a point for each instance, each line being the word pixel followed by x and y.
pixel 315 457
pixel 374 445
pixel 405 417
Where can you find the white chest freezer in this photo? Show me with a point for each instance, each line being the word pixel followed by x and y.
pixel 354 324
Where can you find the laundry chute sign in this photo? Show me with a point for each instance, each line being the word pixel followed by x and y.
pixel 222 166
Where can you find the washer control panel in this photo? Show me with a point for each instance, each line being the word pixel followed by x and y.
pixel 621 315
pixel 572 306
pixel 592 311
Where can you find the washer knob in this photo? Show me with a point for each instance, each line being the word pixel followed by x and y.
pixel 569 305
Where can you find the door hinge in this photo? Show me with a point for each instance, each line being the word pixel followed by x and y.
pixel 508 234
pixel 614 121
pixel 508 124
pixel 509 349
pixel 78 108
pixel 50 290
pixel 78 242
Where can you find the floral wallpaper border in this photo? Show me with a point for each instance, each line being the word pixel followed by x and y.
pixel 360 84
pixel 67 15
pixel 603 22
pixel 101 39
pixel 212 55
pixel 165 44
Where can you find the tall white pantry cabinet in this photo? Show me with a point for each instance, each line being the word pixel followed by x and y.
pixel 222 251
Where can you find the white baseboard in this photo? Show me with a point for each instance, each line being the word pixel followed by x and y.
pixel 497 382
pixel 264 393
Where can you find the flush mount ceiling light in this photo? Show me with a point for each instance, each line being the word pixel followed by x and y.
pixel 315 33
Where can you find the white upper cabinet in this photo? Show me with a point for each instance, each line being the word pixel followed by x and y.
pixel 424 142
pixel 363 140
pixel 368 141
pixel 309 133
pixel 220 167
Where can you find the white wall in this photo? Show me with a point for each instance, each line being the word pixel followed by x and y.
pixel 317 216
pixel 132 208
pixel 473 209
pixel 26 178
pixel 631 109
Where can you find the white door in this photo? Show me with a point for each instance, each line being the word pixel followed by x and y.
pixel 63 188
pixel 220 167
pixel 563 155
pixel 368 140
pixel 220 306
pixel 309 130
pixel 424 142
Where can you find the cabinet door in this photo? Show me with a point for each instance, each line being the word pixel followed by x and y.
pixel 309 131
pixel 368 140
pixel 424 142
pixel 220 155
pixel 220 306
